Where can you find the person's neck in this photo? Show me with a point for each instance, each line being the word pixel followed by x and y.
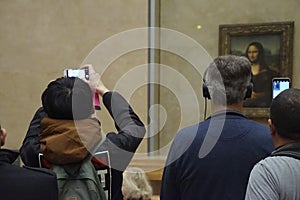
pixel 283 141
pixel 217 108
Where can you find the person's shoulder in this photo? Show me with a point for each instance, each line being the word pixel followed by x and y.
pixel 281 160
pixel 277 162
pixel 257 125
pixel 187 134
pixel 269 165
pixel 190 130
pixel 40 171
pixel 264 165
pixel 259 132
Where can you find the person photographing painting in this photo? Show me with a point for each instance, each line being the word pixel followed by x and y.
pixel 121 145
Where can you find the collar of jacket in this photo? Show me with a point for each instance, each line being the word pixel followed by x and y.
pixel 8 156
pixel 291 150
pixel 227 112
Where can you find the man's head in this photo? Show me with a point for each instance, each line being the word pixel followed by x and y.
pixel 284 114
pixel 227 79
pixel 68 98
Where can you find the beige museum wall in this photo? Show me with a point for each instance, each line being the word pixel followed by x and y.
pixel 40 38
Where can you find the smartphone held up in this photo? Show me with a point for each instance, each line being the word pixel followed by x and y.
pixel 80 73
pixel 83 73
pixel 280 84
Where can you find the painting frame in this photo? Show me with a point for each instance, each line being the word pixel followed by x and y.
pixel 232 36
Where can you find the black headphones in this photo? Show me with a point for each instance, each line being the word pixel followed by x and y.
pixel 206 94
pixel 205 91
pixel 249 91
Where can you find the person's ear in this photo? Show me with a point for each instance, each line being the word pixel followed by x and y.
pixel 2 136
pixel 272 127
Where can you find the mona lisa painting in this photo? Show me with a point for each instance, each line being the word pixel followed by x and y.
pixel 269 48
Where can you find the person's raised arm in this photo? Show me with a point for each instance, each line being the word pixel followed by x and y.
pixel 130 128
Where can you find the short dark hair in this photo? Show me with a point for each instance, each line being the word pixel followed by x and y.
pixel 285 112
pixel 68 98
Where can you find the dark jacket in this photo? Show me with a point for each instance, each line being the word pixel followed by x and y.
pixel 221 172
pixel 121 145
pixel 25 182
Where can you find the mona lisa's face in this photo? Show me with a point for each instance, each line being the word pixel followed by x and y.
pixel 252 53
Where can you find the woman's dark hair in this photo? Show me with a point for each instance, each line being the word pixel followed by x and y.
pixel 261 54
pixel 68 98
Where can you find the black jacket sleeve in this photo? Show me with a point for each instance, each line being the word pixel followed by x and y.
pixel 131 130
pixel 31 145
pixel 121 145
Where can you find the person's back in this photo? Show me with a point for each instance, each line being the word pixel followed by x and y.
pixel 278 176
pixel 68 137
pixel 224 172
pixel 120 145
pixel 213 159
pixel 24 182
pixel 283 177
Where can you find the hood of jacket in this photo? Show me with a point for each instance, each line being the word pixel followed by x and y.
pixel 68 141
pixel 291 150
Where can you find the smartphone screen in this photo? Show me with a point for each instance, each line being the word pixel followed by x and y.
pixel 83 73
pixel 280 84
pixel 80 73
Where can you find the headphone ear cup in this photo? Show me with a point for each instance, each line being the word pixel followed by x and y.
pixel 249 91
pixel 205 91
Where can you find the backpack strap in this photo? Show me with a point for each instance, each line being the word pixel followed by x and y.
pixel 290 150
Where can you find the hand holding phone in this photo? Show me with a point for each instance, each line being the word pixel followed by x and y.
pixel 83 73
pixel 280 84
